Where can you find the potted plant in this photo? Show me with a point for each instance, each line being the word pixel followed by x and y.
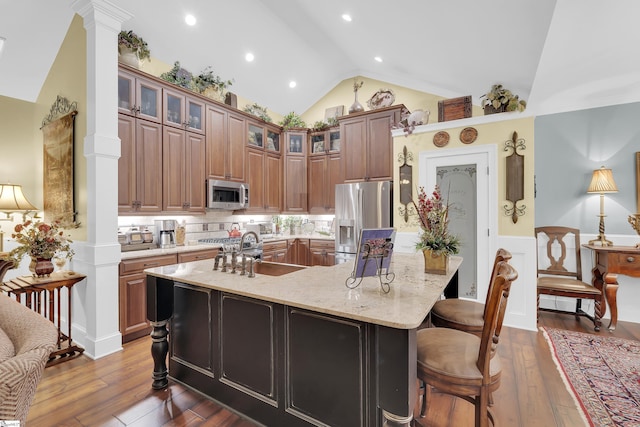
pixel 258 111
pixel 211 85
pixel 41 242
pixel 292 120
pixel 291 222
pixel 499 99
pixel 132 48
pixel 179 76
pixel 435 241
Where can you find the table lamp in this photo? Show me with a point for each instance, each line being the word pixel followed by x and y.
pixel 13 200
pixel 602 182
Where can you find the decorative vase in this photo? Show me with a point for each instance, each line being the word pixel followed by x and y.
pixel 43 267
pixel 634 220
pixel 213 93
pixel 489 109
pixel 356 107
pixel 129 57
pixel 435 263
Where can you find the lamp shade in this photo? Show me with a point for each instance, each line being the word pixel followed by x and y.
pixel 602 182
pixel 12 199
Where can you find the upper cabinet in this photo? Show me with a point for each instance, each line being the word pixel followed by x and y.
pixel 324 170
pixel 295 172
pixel 182 111
pixel 264 168
pixel 367 144
pixel 139 97
pixel 225 136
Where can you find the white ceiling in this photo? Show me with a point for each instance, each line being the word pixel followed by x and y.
pixel 558 55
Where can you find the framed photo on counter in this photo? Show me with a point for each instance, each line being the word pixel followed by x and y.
pixel 375 248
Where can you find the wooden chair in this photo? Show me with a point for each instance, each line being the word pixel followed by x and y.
pixel 5 266
pixel 563 278
pixel 462 364
pixel 465 315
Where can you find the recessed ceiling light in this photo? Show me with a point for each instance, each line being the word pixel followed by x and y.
pixel 378 59
pixel 292 84
pixel 190 20
pixel 346 17
pixel 249 57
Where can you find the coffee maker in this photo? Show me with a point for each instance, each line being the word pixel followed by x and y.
pixel 165 233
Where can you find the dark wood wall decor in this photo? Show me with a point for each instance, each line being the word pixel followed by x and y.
pixel 454 108
pixel 406 184
pixel 58 180
pixel 515 177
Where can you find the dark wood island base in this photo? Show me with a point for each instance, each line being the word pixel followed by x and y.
pixel 279 364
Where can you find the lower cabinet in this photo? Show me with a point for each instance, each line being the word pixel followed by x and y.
pixel 275 251
pixel 133 289
pixel 133 294
pixel 298 251
pixel 322 252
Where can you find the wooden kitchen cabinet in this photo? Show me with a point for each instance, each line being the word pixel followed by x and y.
pixel 133 294
pixel 275 251
pixel 182 111
pixel 183 171
pixel 322 252
pixel 295 172
pixel 139 166
pixel 225 144
pixel 197 255
pixel 367 144
pixel 264 169
pixel 324 169
pixel 298 251
pixel 139 97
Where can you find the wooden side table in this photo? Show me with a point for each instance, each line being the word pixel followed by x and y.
pixel 43 296
pixel 609 262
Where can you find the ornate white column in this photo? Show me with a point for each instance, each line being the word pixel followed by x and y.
pixel 101 255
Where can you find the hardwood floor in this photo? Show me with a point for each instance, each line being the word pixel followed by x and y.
pixel 116 390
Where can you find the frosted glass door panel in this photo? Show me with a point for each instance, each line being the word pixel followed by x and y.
pixel 458 185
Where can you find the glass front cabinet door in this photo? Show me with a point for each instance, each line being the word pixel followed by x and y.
pixel 138 97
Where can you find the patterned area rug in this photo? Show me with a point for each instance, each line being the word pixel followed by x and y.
pixel 603 373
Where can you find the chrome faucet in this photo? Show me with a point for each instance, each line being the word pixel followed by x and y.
pixel 253 233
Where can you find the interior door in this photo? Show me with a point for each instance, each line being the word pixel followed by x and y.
pixel 466 177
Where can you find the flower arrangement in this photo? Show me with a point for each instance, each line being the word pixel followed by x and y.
pixel 499 97
pixel 179 76
pixel 40 240
pixel 130 40
pixel 434 222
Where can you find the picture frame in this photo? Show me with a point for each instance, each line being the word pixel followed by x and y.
pixel 375 247
pixel 334 112
pixel 58 163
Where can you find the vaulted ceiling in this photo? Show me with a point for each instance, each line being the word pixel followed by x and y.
pixel 559 55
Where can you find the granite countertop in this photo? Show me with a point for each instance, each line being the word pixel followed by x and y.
pixel 199 247
pixel 323 289
pixel 169 251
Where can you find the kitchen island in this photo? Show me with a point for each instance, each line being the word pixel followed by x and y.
pixel 297 349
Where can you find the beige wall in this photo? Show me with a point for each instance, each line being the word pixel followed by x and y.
pixel 21 138
pixel 491 133
pixel 343 94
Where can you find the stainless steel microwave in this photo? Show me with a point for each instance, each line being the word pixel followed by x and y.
pixel 227 195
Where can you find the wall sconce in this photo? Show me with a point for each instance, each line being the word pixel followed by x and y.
pixel 602 182
pixel 406 184
pixel 515 177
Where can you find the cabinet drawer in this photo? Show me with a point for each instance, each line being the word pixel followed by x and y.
pixel 131 266
pixel 197 255
pixel 627 264
pixel 274 246
pixel 322 244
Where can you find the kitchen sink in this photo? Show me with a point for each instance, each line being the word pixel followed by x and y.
pixel 275 269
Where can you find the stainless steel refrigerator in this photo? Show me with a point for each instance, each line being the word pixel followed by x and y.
pixel 360 205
